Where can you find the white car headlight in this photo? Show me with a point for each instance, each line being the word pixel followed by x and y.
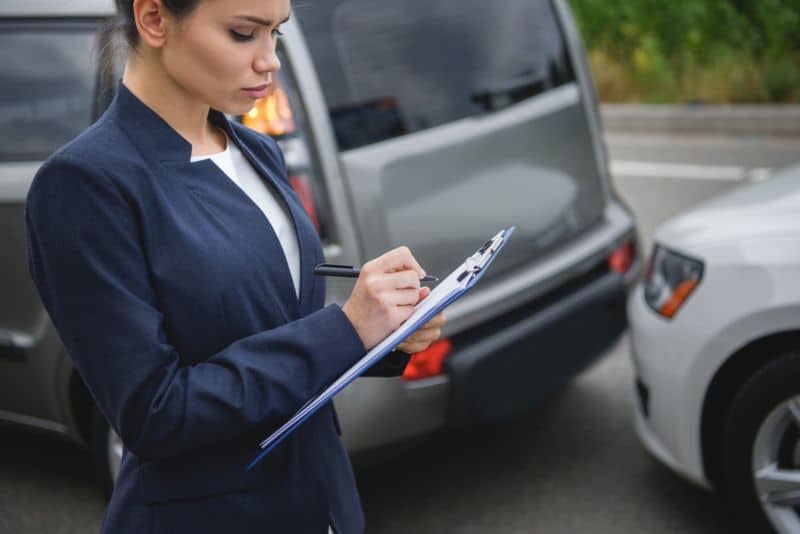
pixel 669 280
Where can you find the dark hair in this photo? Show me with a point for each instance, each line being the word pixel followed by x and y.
pixel 124 25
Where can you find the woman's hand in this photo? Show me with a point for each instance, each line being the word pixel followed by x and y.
pixel 422 338
pixel 384 296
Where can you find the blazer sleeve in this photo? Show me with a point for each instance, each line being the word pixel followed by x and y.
pixel 87 261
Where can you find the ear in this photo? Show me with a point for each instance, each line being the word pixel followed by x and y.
pixel 151 19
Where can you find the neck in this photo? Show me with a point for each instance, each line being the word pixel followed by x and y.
pixel 182 111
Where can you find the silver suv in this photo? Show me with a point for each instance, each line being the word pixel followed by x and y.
pixel 427 125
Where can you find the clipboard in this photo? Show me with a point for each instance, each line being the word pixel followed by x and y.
pixel 461 280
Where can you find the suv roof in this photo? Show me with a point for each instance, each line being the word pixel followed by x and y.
pixel 57 8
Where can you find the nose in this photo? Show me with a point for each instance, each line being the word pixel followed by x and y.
pixel 266 61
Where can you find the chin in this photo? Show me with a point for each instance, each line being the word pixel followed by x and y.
pixel 233 111
pixel 235 106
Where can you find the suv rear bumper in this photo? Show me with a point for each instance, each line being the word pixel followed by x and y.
pixel 512 364
pixel 516 340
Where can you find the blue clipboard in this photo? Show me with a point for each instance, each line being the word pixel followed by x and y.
pixel 461 280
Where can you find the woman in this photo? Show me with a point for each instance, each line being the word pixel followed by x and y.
pixel 176 263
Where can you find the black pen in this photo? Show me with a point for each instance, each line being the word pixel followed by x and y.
pixel 347 271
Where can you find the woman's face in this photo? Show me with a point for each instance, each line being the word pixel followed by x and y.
pixel 223 53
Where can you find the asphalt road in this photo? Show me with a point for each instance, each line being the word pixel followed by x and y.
pixel 574 465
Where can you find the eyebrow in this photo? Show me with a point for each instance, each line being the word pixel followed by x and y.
pixel 259 20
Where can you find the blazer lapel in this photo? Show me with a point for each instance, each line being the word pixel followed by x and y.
pixel 306 234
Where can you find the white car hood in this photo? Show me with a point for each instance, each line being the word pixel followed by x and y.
pixel 768 209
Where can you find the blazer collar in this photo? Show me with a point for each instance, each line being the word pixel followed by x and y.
pixel 154 133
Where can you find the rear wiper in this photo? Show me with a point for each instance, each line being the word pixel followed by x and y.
pixel 499 94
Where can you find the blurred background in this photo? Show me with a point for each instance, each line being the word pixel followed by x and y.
pixel 693 51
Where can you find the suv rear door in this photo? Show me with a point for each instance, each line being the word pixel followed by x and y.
pixel 454 119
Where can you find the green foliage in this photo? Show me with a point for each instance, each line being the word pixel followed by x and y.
pixel 681 50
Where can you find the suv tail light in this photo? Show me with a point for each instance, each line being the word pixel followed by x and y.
pixel 280 116
pixel 302 186
pixel 429 362
pixel 621 260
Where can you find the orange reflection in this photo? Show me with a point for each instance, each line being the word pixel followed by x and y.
pixel 272 115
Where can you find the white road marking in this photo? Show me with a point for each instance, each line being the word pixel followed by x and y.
pixel 651 169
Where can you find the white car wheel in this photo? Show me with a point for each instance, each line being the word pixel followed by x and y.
pixel 762 448
pixel 776 465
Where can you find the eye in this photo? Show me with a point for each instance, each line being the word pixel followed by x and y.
pixel 242 37
pixel 277 32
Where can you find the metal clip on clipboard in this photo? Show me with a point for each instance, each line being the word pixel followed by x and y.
pixel 478 261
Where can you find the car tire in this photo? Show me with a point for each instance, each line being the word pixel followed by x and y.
pixel 107 450
pixel 762 434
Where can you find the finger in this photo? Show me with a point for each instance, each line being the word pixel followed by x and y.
pixel 411 348
pixel 415 338
pixel 425 336
pixel 429 336
pixel 400 259
pixel 438 321
pixel 402 297
pixel 420 345
pixel 389 282
pixel 402 313
pixel 423 293
pixel 404 280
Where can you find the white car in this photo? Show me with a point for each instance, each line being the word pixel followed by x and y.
pixel 715 339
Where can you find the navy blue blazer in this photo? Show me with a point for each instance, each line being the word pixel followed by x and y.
pixel 171 293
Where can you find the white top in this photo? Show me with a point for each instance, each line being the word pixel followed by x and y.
pixel 234 164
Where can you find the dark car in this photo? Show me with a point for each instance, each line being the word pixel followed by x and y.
pixel 403 123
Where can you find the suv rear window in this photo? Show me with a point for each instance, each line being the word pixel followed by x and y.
pixel 390 68
pixel 47 80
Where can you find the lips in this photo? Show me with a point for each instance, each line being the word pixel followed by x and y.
pixel 257 92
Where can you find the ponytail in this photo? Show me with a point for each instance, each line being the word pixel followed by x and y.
pixel 110 50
